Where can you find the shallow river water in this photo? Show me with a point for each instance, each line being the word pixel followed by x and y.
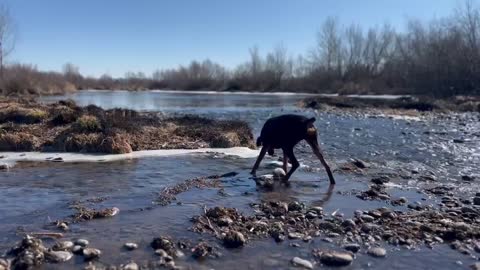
pixel 32 195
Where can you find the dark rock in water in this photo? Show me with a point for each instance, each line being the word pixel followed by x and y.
pixel 28 254
pixel 58 256
pixel 202 250
pixel 91 253
pixel 377 252
pixel 428 178
pixel 58 159
pixel 476 200
pixel 163 243
pixel 234 239
pixel 380 180
pixel 360 163
pixel 352 247
pixel 335 258
pixel 130 246
pixel 302 263
pixel 477 247
pixel 468 178
pixel 475 266
pixel 230 174
pixel 295 206
pixel 458 140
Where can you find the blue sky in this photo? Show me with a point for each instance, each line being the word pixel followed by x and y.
pixel 115 36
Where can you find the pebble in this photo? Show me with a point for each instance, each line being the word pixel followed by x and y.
pixel 348 223
pixel 294 235
pixel 352 247
pixel 130 266
pixel 377 252
pixel 58 256
pixel 91 253
pixel 77 249
pixel 4 167
pixel 476 200
pixel 234 239
pixel 367 218
pixel 63 226
pixel 82 242
pixel 65 245
pixel 130 246
pixel 279 173
pixel 297 261
pixel 335 258
pixel 475 266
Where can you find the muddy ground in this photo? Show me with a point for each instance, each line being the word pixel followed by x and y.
pixel 26 125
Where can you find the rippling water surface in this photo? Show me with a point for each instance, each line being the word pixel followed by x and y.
pixel 33 195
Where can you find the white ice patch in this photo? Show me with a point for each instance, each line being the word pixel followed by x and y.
pixel 10 158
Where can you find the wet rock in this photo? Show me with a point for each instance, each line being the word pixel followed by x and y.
pixel 352 247
pixel 317 209
pixel 77 249
pixel 295 206
pixel 360 163
pixel 130 266
pixel 130 246
pixel 202 250
pixel 234 239
pixel 335 258
pixel 477 247
pixel 58 256
pixel 82 242
pixel 311 215
pixel 65 245
pixel 302 263
pixel 468 178
pixel 475 266
pixel 91 253
pixel 367 218
pixel 4 167
pixel 377 252
pixel 476 200
pixel 265 181
pixel 163 243
pixel 279 173
pixel 348 223
pixel 380 180
pixel 428 177
pixel 63 226
pixel 294 235
pixel 4 264
pixel 164 255
pixel 224 221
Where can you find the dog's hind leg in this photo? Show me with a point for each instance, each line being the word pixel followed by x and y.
pixel 293 159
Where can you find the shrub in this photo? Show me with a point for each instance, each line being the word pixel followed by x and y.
pixel 21 115
pixel 18 142
pixel 88 123
pixel 63 115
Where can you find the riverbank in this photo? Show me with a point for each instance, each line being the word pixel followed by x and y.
pixel 406 103
pixel 27 125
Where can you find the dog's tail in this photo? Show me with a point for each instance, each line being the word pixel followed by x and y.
pixel 259 141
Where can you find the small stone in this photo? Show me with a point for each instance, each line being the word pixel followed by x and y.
pixel 475 266
pixel 234 239
pixel 57 159
pixel 476 200
pixel 82 242
pixel 352 247
pixel 63 226
pixel 348 223
pixel 380 180
pixel 468 178
pixel 65 245
pixel 77 249
pixel 377 252
pixel 130 266
pixel 311 215
pixel 4 167
pixel 58 256
pixel 302 263
pixel 335 258
pixel 367 218
pixel 91 253
pixel 130 246
pixel 294 235
pixel 317 209
pixel 295 206
pixel 279 173
pixel 360 163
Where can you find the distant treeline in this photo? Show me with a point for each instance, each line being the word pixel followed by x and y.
pixel 440 58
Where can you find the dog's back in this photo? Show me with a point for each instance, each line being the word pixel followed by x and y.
pixel 283 131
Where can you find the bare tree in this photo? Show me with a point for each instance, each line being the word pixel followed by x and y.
pixel 7 35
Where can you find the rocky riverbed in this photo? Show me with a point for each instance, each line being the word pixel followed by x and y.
pixel 406 198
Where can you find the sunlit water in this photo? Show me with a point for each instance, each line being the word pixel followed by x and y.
pixel 33 195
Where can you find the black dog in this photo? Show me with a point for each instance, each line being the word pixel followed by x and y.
pixel 284 132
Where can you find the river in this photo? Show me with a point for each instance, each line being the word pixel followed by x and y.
pixel 32 195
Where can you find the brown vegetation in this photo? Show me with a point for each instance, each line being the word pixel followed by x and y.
pixel 63 126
